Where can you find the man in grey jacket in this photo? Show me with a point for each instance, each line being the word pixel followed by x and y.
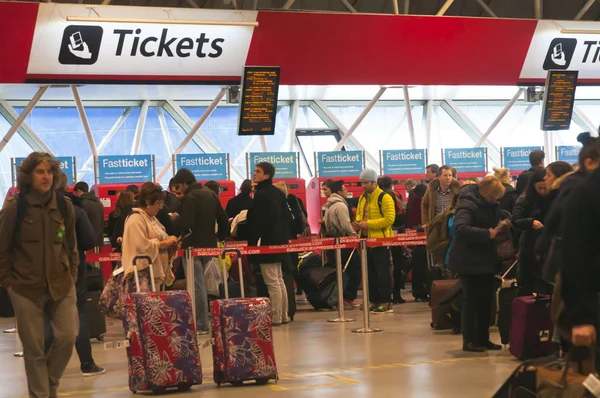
pixel 93 208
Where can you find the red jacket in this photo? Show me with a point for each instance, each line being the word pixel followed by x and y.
pixel 413 210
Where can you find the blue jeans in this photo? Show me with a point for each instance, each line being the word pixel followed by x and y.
pixel 200 293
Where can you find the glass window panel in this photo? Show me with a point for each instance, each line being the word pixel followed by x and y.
pixel 16 148
pixel 308 119
pixel 310 145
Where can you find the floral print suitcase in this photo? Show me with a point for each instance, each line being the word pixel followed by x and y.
pixel 243 341
pixel 163 348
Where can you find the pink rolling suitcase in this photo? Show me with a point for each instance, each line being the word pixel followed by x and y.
pixel 531 327
pixel 163 348
pixel 243 337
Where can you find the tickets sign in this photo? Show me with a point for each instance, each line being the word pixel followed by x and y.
pixel 517 158
pixel 124 169
pixel 286 163
pixel 205 166
pixel 466 159
pixel 407 161
pixel 569 154
pixel 340 163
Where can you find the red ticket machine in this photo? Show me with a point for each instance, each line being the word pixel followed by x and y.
pixel 315 199
pixel 227 189
pixel 108 195
pixel 399 180
pixel 474 176
pixel 296 186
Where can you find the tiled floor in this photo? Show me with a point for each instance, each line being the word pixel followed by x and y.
pixel 314 357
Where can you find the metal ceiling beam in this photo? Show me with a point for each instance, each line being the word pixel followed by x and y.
pixel 26 132
pixel 139 130
pixel 293 123
pixel 106 2
pixel 500 116
pixel 445 7
pixel 537 6
pixel 164 127
pixel 583 121
pixel 288 4
pixel 411 126
pixel 333 122
pixel 84 121
pixel 15 126
pixel 348 6
pixel 360 118
pixel 454 111
pixel 427 120
pixel 111 133
pixel 487 8
pixel 195 129
pixel 406 7
pixel 584 9
pixel 395 7
pixel 263 144
pixel 191 3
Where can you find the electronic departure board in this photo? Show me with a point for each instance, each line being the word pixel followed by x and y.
pixel 259 101
pixel 559 100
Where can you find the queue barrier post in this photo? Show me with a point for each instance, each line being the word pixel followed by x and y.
pixel 365 287
pixel 189 278
pixel 340 287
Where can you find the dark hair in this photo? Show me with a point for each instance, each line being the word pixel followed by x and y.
pixel 590 150
pixel 150 193
pixel 134 189
pixel 533 198
pixel 267 168
pixel 433 167
pixel 32 161
pixel 213 186
pixel 334 186
pixel 446 167
pixel 246 187
pixel 82 186
pixel 385 183
pixel 172 183
pixel 420 190
pixel 536 157
pixel 124 202
pixel 559 168
pixel 184 176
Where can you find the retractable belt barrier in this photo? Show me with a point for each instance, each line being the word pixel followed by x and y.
pixel 295 246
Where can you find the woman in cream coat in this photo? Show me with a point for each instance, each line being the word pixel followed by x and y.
pixel 145 236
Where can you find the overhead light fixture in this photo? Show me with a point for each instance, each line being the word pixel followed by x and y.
pixel 161 21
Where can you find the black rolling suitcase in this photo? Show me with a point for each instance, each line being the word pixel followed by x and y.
pixel 95 318
pixel 420 290
pixel 505 296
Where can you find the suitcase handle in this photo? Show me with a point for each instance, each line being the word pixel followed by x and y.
pixel 136 275
pixel 224 270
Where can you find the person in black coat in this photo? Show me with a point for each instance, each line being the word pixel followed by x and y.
pixel 508 201
pixel 269 221
pixel 473 256
pixel 528 217
pixel 536 159
pixel 242 201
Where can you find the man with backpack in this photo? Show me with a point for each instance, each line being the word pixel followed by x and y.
pixel 38 266
pixel 93 208
pixel 374 218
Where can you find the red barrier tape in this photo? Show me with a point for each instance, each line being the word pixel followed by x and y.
pixel 295 246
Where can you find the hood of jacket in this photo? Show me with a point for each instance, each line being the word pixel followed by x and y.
pixel 454 185
pixel 570 179
pixel 90 196
pixel 333 199
pixel 508 188
pixel 193 187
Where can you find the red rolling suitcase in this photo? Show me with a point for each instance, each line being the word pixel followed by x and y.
pixel 439 290
pixel 531 327
pixel 243 338
pixel 163 348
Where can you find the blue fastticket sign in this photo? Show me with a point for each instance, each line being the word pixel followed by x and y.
pixel 67 165
pixel 569 154
pixel 405 161
pixel 205 166
pixel 340 163
pixel 286 163
pixel 517 158
pixel 125 169
pixel 466 159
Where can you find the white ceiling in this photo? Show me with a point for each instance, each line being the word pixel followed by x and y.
pixel 24 92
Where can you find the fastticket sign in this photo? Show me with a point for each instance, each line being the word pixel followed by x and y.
pixel 340 163
pixel 407 161
pixel 286 163
pixel 569 154
pixel 123 169
pixel 205 166
pixel 517 158
pixel 67 165
pixel 466 159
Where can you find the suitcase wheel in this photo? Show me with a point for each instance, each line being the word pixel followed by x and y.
pixel 159 390
pixel 262 382
pixel 237 383
pixel 100 338
pixel 431 325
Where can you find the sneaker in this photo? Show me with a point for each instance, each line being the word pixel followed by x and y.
pixel 93 370
pixel 383 310
pixel 351 303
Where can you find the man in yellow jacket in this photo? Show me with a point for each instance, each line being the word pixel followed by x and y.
pixel 375 215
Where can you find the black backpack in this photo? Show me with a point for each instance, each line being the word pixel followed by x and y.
pixel 22 212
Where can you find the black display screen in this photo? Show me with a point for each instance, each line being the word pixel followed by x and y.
pixel 559 100
pixel 259 101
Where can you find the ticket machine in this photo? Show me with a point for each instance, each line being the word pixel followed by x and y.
pixel 315 199
pixel 399 180
pixel 475 176
pixel 108 195
pixel 227 189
